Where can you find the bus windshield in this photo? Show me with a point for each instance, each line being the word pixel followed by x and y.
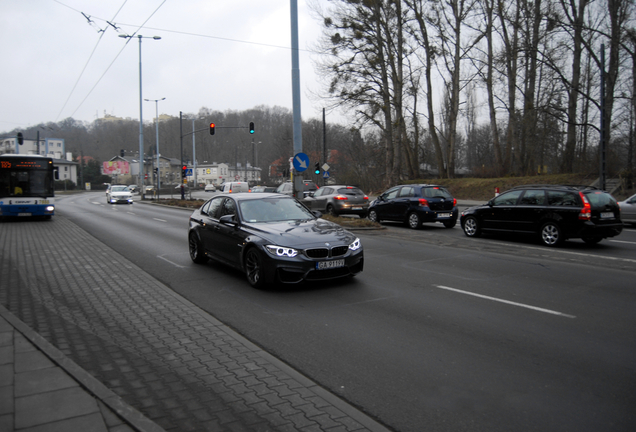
pixel 18 181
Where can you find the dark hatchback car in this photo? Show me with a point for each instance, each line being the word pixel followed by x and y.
pixel 272 238
pixel 552 213
pixel 415 204
pixel 337 200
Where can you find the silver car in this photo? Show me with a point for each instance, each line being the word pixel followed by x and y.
pixel 628 210
pixel 338 200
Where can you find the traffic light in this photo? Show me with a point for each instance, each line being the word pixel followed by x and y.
pixel 20 138
pixel 251 127
pixel 122 152
pixel 212 126
pixel 183 171
pixel 317 168
pixel 156 170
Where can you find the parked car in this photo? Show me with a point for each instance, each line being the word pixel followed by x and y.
pixel 337 200
pixel 414 205
pixel 553 213
pixel 261 189
pixel 287 188
pixel 210 187
pixel 272 239
pixel 235 187
pixel 628 210
pixel 118 194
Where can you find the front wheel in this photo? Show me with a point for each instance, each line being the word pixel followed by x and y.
pixel 331 211
pixel 373 216
pixel 551 234
pixel 471 227
pixel 413 221
pixel 254 268
pixel 196 249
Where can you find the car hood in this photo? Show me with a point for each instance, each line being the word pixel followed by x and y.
pixel 301 234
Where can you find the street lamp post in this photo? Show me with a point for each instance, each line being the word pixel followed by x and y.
pixel 141 118
pixel 156 101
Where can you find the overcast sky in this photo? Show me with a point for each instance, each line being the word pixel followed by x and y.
pixel 219 54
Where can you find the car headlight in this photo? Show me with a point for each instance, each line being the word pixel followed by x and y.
pixel 355 245
pixel 280 251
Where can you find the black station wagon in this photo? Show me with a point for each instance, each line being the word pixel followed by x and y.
pixel 551 212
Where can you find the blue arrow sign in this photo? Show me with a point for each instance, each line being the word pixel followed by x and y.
pixel 301 162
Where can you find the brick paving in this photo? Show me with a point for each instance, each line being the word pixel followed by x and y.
pixel 161 354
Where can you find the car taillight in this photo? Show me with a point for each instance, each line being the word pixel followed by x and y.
pixel 340 197
pixel 366 198
pixel 423 202
pixel 454 202
pixel 586 212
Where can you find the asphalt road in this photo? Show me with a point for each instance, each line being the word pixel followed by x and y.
pixel 439 333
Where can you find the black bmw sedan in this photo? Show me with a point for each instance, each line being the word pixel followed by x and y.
pixel 273 239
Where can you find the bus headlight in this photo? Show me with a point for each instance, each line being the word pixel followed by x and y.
pixel 49 209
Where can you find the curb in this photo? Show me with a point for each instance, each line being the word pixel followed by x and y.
pixel 128 414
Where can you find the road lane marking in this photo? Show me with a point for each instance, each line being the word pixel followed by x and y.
pixel 160 220
pixel 173 263
pixel 585 254
pixel 506 301
pixel 622 241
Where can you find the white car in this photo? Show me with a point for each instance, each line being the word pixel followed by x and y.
pixel 118 194
pixel 210 188
pixel 628 210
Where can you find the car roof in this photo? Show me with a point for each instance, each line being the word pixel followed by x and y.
pixel 556 186
pixel 244 196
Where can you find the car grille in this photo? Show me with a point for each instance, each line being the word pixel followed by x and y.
pixel 326 252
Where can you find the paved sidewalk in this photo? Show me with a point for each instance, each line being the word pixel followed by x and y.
pixel 109 345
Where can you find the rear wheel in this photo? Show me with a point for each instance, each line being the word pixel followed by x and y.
pixel 413 221
pixel 471 227
pixel 196 249
pixel 254 268
pixel 551 234
pixel 450 223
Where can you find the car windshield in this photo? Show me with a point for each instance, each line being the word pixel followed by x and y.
pixel 119 189
pixel 274 210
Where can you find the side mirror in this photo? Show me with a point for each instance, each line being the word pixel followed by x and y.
pixel 490 203
pixel 228 219
pixel 317 213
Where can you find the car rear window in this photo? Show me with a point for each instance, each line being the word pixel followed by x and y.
pixel 350 191
pixel 599 199
pixel 435 192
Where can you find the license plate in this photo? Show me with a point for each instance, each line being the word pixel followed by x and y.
pixel 356 208
pixel 324 265
pixel 444 215
pixel 24 214
pixel 607 215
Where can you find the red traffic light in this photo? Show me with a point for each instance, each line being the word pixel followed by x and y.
pixel 183 171
pixel 212 126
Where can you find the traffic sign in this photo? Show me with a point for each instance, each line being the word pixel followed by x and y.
pixel 325 174
pixel 301 162
pixel 189 172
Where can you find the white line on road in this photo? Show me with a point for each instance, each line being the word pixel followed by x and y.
pixel 173 263
pixel 507 302
pixel 622 241
pixel 160 220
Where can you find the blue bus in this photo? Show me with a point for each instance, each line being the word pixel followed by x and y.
pixel 27 186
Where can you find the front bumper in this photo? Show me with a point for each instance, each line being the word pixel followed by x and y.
pixel 301 268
